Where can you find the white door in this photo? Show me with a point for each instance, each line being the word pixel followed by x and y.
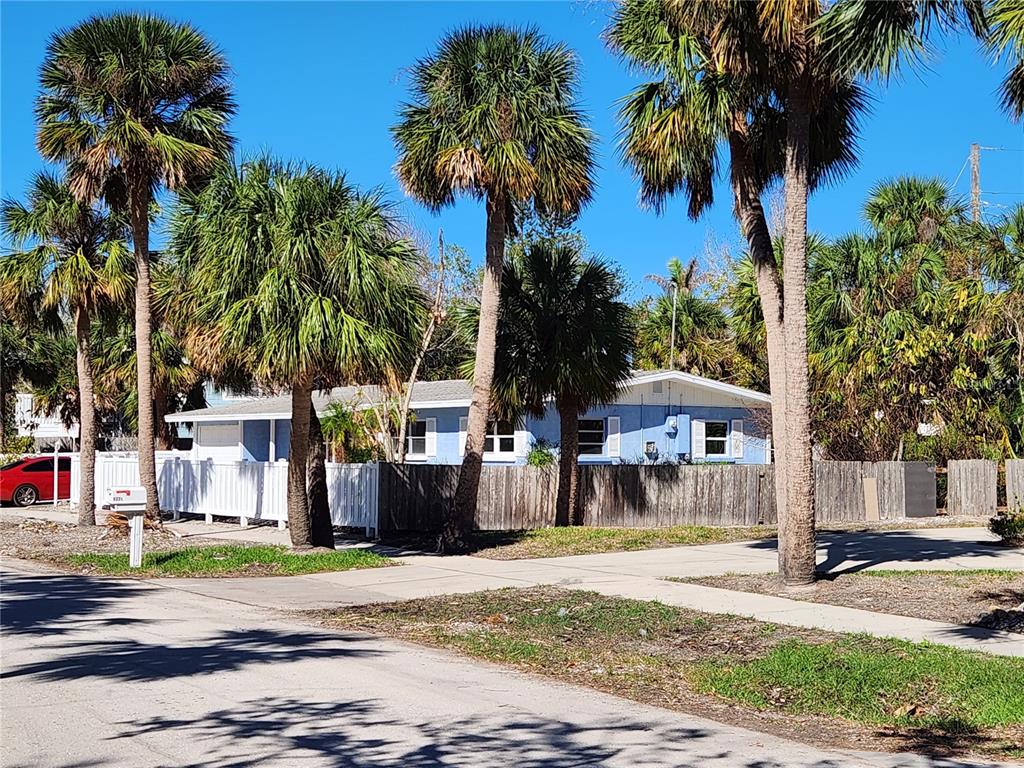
pixel 218 441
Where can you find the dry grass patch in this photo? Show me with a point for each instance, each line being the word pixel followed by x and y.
pixel 829 689
pixel 970 597
pixel 588 540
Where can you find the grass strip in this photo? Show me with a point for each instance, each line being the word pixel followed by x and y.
pixel 671 656
pixel 229 561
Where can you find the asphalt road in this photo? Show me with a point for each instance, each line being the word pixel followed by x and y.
pixel 100 672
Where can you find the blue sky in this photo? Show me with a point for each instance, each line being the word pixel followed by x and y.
pixel 322 82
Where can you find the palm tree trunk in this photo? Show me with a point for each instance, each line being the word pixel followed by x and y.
pixel 139 203
pixel 463 511
pixel 754 224
pixel 298 502
pixel 321 530
pixel 86 422
pixel 568 463
pixel 796 526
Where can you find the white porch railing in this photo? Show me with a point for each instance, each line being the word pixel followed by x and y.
pixel 246 490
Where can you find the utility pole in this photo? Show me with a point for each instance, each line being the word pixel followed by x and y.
pixel 975 182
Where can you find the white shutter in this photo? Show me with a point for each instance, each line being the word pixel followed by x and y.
pixel 521 440
pixel 736 438
pixel 431 437
pixel 463 429
pixel 697 439
pixel 612 440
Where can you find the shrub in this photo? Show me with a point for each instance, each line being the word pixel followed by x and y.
pixel 1009 526
pixel 16 447
pixel 542 454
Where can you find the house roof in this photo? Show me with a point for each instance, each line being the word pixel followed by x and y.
pixel 643 377
pixel 451 393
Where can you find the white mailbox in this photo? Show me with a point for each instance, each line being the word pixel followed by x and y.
pixel 130 502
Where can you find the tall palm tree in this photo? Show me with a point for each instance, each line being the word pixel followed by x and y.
pixel 301 281
pixel 132 102
pixel 564 337
pixel 493 115
pixel 718 83
pixel 75 260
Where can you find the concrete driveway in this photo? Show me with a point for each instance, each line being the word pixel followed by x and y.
pixel 104 672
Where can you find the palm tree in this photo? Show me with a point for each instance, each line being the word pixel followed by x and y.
pixel 75 262
pixel 301 281
pixel 692 324
pixel 131 102
pixel 1007 39
pixel 564 337
pixel 494 116
pixel 719 83
pixel 775 83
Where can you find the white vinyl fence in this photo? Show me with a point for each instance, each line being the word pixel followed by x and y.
pixel 243 489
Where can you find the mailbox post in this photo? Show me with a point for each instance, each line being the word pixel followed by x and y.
pixel 130 502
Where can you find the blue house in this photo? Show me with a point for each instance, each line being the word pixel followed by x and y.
pixel 659 416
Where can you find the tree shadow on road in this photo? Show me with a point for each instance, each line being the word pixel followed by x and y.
pixel 225 651
pixel 54 605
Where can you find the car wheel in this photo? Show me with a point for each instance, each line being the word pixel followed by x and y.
pixel 25 495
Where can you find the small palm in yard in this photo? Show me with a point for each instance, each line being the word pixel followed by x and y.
pixel 493 115
pixel 131 102
pixel 300 280
pixel 74 262
pixel 563 335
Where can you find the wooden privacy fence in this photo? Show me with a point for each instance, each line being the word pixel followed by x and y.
pixel 865 490
pixel 414 497
pixel 1015 484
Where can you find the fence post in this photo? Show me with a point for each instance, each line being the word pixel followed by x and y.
pixel 372 495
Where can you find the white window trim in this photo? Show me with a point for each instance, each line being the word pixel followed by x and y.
pixel 604 440
pixel 727 453
pixel 521 440
pixel 429 439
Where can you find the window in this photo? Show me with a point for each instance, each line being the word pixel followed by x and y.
pixel 716 438
pixel 46 465
pixel 416 438
pixel 501 437
pixel 591 436
pixel 656 387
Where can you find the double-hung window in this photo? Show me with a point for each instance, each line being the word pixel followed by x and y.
pixel 716 439
pixel 500 438
pixel 416 438
pixel 591 437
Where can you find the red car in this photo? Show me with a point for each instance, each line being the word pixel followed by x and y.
pixel 29 480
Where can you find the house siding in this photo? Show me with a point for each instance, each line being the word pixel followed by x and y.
pixel 645 412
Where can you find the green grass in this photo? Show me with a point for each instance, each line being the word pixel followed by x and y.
pixel 229 561
pixel 877 682
pixel 964 573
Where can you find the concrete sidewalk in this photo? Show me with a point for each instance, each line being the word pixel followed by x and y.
pixel 641 575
